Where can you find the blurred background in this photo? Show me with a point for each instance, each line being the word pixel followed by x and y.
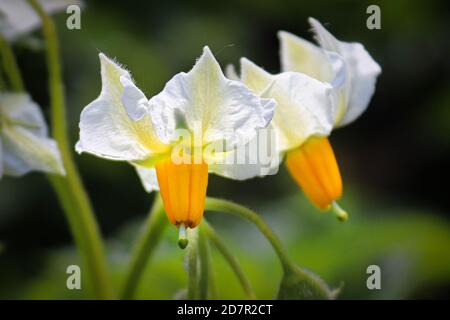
pixel 394 159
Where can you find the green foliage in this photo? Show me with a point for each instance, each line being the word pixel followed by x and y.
pixel 411 249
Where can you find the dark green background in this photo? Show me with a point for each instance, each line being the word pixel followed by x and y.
pixel 394 159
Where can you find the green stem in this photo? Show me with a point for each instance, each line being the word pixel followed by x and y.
pixel 70 189
pixel 225 206
pixel 2 82
pixel 213 291
pixel 204 265
pixel 230 258
pixel 144 247
pixel 10 66
pixel 192 261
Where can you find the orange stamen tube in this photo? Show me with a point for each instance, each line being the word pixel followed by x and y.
pixel 313 166
pixel 183 191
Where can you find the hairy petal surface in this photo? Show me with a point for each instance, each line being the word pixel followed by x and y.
pixel 117 125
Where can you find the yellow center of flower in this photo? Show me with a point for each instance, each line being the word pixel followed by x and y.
pixel 313 166
pixel 183 191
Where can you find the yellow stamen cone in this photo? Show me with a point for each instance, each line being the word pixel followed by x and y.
pixel 313 166
pixel 183 191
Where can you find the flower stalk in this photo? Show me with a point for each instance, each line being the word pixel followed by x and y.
pixel 296 282
pixel 70 190
pixel 197 250
pixel 192 264
pixel 225 206
pixel 204 265
pixel 144 247
pixel 207 277
pixel 230 258
pixel 10 66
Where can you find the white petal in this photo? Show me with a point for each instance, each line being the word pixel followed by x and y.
pixel 254 77
pixel 257 158
pixel 24 138
pixel 20 108
pixel 106 129
pixel 133 99
pixel 231 73
pixel 338 65
pixel 224 110
pixel 18 17
pixel 362 72
pixel 24 151
pixel 304 105
pixel 148 178
pixel 299 55
pixel 303 56
pixel 326 40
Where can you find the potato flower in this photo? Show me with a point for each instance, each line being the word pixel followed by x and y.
pixel 304 114
pixel 24 142
pixel 320 88
pixel 175 138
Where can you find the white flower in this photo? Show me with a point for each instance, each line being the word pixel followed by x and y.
pixel 303 120
pixel 24 142
pixel 17 17
pixel 308 109
pixel 121 124
pixel 347 66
